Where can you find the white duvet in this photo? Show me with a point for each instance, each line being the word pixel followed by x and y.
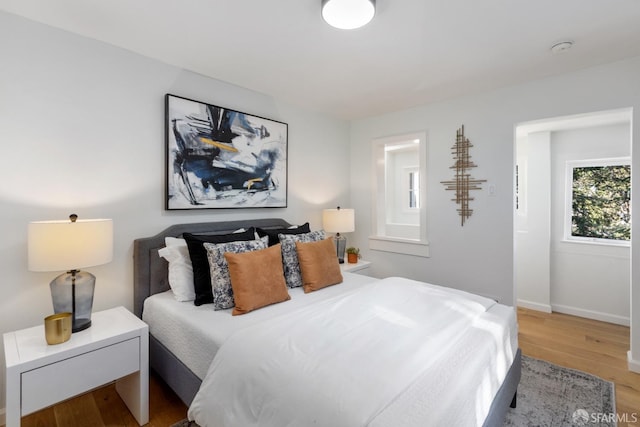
pixel 392 353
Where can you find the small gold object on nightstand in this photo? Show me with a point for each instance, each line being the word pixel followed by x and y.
pixel 57 328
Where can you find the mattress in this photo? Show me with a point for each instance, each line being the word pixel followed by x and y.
pixel 195 333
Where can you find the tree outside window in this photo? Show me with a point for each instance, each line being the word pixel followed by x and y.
pixel 601 202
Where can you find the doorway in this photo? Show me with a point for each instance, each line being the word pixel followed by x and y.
pixel 553 270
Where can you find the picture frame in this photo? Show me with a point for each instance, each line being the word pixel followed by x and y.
pixel 219 158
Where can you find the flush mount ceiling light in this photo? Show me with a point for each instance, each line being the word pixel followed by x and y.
pixel 348 14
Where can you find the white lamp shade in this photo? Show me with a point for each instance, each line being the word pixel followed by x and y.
pixel 338 220
pixel 348 14
pixel 66 245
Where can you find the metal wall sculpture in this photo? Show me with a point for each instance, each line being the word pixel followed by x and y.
pixel 222 158
pixel 463 182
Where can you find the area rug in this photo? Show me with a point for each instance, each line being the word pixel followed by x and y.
pixel 550 395
pixel 553 396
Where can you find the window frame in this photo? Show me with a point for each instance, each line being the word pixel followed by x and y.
pixel 570 165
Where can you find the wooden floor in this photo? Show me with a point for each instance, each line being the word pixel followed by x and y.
pixel 588 345
pixel 104 408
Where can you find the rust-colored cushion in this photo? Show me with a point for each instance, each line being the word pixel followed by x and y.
pixel 318 264
pixel 257 279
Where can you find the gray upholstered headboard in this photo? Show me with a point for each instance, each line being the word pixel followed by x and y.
pixel 150 271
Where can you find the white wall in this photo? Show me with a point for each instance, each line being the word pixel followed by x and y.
pixel 533 222
pixel 479 256
pixel 82 130
pixel 588 280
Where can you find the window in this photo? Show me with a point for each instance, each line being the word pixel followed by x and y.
pixel 399 165
pixel 599 201
pixel 413 192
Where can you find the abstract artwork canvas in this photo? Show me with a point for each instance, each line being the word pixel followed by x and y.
pixel 222 158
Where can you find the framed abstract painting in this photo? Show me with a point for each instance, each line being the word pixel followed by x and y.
pixel 218 158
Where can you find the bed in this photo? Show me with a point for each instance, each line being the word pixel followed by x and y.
pixel 185 362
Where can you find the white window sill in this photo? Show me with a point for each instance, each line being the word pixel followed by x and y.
pixel 599 242
pixel 399 246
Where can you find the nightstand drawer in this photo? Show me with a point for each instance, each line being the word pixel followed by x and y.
pixel 52 383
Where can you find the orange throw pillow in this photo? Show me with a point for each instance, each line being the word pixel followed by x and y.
pixel 318 264
pixel 257 279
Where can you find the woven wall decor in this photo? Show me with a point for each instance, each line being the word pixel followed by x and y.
pixel 463 182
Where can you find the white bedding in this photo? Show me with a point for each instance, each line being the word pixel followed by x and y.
pixel 392 353
pixel 194 334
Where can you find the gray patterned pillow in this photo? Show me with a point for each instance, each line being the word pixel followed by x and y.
pixel 290 263
pixel 219 269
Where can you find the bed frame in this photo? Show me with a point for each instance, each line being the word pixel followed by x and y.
pixel 150 277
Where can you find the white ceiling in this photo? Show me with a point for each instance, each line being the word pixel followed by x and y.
pixel 578 121
pixel 413 52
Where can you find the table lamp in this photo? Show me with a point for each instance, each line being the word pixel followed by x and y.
pixel 339 221
pixel 69 246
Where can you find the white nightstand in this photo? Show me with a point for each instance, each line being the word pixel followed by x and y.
pixel 115 347
pixel 359 268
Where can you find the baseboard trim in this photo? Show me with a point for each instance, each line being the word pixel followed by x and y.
pixel 534 306
pixel 633 365
pixel 591 314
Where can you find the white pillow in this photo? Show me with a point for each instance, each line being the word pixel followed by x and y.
pixel 180 269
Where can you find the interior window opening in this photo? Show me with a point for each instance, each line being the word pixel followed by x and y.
pixel 399 193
